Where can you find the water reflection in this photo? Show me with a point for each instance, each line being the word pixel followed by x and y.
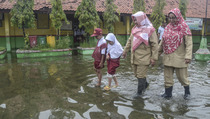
pixel 63 88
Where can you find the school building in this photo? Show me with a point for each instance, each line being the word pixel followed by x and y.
pixel 12 37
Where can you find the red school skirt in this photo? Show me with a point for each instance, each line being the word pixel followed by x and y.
pixel 96 65
pixel 112 65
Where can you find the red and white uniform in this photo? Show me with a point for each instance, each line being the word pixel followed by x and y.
pixel 114 51
pixel 99 51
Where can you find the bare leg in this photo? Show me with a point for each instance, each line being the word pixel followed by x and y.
pixel 115 80
pixel 99 74
pixel 110 81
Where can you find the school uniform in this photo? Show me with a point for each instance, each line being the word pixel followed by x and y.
pixel 99 51
pixel 114 51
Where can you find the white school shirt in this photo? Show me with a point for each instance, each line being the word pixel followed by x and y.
pixel 100 42
pixel 116 49
pixel 160 31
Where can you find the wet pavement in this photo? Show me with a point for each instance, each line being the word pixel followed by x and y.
pixel 63 88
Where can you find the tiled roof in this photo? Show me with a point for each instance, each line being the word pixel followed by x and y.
pixel 196 8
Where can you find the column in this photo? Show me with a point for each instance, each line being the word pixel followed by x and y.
pixel 7 33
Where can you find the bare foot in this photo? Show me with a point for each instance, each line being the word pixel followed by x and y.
pixel 98 85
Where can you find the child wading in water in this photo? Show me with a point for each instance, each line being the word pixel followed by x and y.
pixel 99 54
pixel 114 51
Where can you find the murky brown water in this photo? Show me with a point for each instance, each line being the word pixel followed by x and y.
pixel 63 88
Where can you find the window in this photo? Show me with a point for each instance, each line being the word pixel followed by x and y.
pixel 208 25
pixel 1 18
pixel 42 21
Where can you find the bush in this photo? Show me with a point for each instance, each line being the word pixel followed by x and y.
pixel 63 43
pixel 88 43
pixel 27 43
pixel 2 48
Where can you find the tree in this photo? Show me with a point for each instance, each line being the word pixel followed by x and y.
pixel 110 11
pixel 138 5
pixel 57 15
pixel 157 16
pixel 23 15
pixel 183 7
pixel 87 15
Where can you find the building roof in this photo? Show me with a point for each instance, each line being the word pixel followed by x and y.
pixel 196 8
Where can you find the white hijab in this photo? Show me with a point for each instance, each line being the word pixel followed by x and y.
pixel 116 49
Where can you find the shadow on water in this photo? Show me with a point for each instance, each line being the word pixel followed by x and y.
pixel 63 88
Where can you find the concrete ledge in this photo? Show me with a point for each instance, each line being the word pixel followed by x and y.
pixel 85 51
pixel 38 53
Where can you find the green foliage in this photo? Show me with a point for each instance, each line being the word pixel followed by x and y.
pixel 27 42
pixel 2 48
pixel 157 16
pixel 138 5
pixel 57 14
pixel 183 7
pixel 23 15
pixel 42 47
pixel 63 43
pixel 122 39
pixel 87 15
pixel 109 15
pixel 89 43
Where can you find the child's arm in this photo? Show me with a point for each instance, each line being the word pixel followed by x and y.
pixel 102 61
pixel 107 57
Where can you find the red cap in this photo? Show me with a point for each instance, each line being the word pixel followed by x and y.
pixel 97 32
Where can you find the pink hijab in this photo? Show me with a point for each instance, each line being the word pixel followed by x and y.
pixel 143 31
pixel 174 34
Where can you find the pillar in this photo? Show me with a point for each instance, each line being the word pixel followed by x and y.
pixel 7 31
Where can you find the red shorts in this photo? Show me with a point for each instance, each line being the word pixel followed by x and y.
pixel 96 65
pixel 112 65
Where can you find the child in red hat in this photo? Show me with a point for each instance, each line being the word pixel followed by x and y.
pixel 99 53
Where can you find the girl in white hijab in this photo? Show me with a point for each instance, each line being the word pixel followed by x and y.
pixel 114 51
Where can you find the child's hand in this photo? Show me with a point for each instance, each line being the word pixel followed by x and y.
pixel 107 57
pixel 101 65
pixel 94 68
pixel 124 55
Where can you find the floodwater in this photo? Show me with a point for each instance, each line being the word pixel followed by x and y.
pixel 63 88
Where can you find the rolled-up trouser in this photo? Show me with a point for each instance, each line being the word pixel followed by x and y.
pixel 181 74
pixel 140 71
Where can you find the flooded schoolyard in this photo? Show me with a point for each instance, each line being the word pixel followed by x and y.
pixel 63 88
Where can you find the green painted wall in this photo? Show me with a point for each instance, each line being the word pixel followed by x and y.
pixel 18 42
pixel 2 42
pixel 122 39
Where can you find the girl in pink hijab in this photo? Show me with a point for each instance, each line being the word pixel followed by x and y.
pixel 176 45
pixel 143 43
